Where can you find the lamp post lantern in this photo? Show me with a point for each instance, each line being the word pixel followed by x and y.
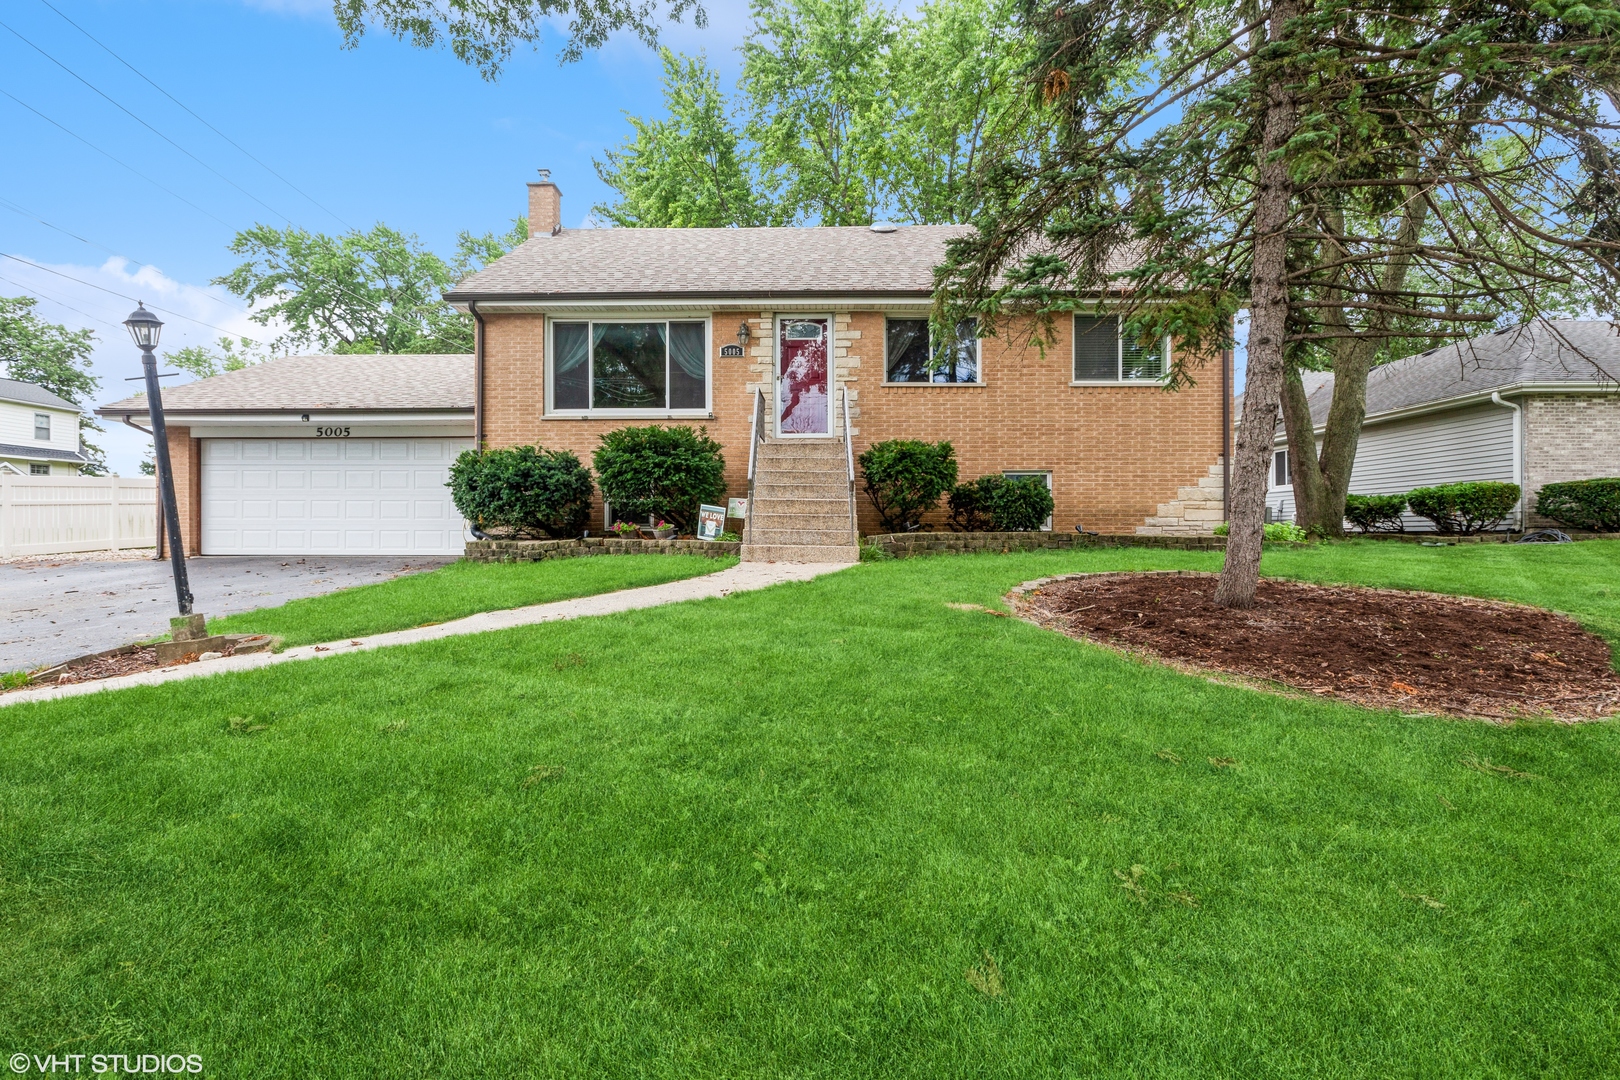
pixel 145 327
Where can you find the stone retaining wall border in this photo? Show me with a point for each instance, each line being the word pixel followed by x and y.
pixel 908 545
pixel 540 550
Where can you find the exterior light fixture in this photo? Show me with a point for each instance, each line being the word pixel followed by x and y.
pixel 742 333
pixel 145 328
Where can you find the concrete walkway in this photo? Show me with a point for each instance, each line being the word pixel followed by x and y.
pixel 744 577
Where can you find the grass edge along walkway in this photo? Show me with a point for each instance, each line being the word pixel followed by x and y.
pixel 744 577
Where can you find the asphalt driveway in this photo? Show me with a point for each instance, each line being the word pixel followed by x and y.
pixel 50 612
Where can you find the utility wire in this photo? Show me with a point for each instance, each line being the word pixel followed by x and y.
pixel 121 108
pixel 194 116
pixel 59 303
pixel 126 296
pixel 25 212
pixel 115 160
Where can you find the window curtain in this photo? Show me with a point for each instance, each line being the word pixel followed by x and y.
pixel 571 352
pixel 686 348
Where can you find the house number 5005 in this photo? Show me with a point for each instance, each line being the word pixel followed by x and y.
pixel 331 433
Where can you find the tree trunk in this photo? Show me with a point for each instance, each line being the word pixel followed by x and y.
pixel 1268 321
pixel 1304 471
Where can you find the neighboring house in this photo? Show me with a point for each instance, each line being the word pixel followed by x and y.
pixel 318 455
pixel 1519 405
pixel 39 432
pixel 583 331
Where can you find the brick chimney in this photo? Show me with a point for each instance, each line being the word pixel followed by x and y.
pixel 545 206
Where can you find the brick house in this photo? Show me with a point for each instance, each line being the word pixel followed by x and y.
pixel 1528 405
pixel 583 331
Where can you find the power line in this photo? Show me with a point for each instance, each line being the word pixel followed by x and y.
pixel 194 116
pixel 115 104
pixel 58 303
pixel 25 212
pixel 115 160
pixel 126 296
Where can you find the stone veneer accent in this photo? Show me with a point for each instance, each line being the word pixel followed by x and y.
pixel 1195 511
pixel 1568 437
pixel 907 545
pixel 541 550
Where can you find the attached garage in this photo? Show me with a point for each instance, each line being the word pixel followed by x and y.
pixel 340 496
pixel 319 455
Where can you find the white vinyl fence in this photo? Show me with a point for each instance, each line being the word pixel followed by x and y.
pixel 50 515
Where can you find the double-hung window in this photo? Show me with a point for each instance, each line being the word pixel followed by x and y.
pixel 629 366
pixel 909 356
pixel 1103 354
pixel 42 426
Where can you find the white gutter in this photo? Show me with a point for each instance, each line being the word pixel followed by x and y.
pixel 1518 453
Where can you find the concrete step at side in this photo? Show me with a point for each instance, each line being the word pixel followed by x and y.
pixel 800 489
pixel 808 504
pixel 830 553
pixel 811 536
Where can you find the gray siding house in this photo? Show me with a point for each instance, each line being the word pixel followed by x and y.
pixel 1529 405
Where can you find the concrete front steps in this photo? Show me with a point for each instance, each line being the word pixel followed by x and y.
pixel 800 509
pixel 1195 511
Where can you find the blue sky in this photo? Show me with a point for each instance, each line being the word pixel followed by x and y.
pixel 384 132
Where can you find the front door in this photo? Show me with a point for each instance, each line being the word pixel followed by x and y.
pixel 801 377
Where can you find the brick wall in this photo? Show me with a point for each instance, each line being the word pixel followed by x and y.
pixel 185 457
pixel 1569 437
pixel 1115 452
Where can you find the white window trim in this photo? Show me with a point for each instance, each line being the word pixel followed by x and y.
pixel 775 420
pixel 36 468
pixel 704 413
pixel 1119 358
pixel 1288 482
pixel 47 418
pixel 978 353
pixel 1008 474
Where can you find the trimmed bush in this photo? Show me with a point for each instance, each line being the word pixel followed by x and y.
pixel 996 503
pixel 1466 508
pixel 969 503
pixel 525 488
pixel 1020 505
pixel 1582 504
pixel 905 478
pixel 660 472
pixel 1375 513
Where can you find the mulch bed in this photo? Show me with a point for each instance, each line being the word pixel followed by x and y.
pixel 1417 652
pixel 128 662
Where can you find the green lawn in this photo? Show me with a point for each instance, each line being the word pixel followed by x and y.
pixel 770 835
pixel 462 588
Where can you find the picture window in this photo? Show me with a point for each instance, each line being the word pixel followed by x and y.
pixel 911 356
pixel 628 366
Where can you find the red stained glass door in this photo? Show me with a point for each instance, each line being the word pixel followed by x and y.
pixel 801 377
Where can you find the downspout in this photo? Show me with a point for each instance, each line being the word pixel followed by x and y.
pixel 1226 434
pixel 1518 454
pixel 478 396
pixel 478 376
pixel 160 556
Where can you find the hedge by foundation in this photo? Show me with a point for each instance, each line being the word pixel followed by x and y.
pixel 540 550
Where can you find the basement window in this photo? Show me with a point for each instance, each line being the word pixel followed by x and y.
pixel 629 367
pixel 1103 355
pixel 911 356
pixel 1043 476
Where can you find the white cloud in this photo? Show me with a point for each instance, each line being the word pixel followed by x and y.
pixel 99 298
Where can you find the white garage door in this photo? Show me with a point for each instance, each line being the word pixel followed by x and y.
pixel 329 497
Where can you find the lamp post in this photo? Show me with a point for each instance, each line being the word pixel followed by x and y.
pixel 145 327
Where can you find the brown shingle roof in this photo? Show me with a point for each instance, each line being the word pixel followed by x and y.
pixel 626 263
pixel 365 381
